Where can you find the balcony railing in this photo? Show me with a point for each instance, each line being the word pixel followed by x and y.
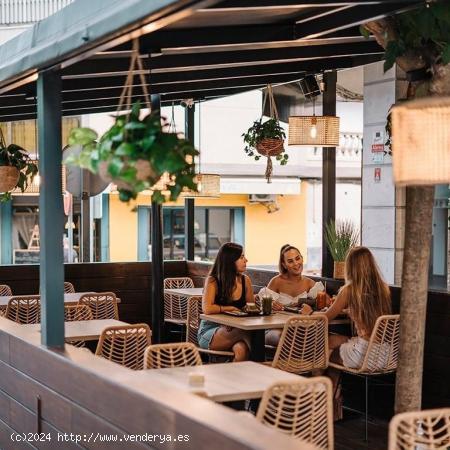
pixel 13 12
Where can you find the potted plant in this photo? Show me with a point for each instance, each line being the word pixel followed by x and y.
pixel 267 138
pixel 340 237
pixel 138 154
pixel 16 169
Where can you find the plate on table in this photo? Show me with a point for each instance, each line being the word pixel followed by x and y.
pixel 236 313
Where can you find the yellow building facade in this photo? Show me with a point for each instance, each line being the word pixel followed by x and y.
pixel 265 232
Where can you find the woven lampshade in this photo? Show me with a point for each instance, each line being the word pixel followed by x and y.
pixel 421 142
pixel 326 131
pixel 208 185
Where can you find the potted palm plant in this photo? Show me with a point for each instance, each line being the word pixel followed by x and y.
pixel 138 154
pixel 340 237
pixel 16 169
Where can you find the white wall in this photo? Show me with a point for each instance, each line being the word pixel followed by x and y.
pixel 378 198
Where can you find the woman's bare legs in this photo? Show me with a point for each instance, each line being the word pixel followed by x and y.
pixel 334 342
pixel 227 338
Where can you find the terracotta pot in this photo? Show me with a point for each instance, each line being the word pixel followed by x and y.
pixel 339 270
pixel 9 176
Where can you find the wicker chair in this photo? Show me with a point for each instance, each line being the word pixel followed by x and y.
pixel 68 288
pixel 193 321
pixel 302 409
pixel 381 356
pixel 171 355
pixel 420 430
pixel 175 306
pixel 125 345
pixel 77 312
pixel 24 309
pixel 5 290
pixel 303 345
pixel 103 305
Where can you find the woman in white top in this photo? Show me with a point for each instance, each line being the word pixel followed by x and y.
pixel 290 284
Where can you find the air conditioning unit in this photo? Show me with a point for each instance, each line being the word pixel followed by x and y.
pixel 262 198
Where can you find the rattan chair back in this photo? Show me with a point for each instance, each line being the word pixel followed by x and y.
pixel 77 312
pixel 5 290
pixel 428 430
pixel 303 344
pixel 302 409
pixel 103 305
pixel 24 309
pixel 125 344
pixel 175 305
pixel 68 288
pixel 382 351
pixel 179 354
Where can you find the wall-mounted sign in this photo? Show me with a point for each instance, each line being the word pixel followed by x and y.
pixel 377 175
pixel 377 147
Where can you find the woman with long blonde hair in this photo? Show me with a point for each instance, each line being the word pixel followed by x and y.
pixel 366 297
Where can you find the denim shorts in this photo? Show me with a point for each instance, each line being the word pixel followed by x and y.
pixel 206 332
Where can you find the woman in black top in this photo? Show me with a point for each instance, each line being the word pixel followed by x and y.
pixel 226 289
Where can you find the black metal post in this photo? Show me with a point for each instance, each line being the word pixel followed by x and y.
pixel 51 210
pixel 328 172
pixel 157 257
pixel 189 203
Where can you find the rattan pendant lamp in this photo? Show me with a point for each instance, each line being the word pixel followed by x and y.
pixel 421 142
pixel 313 131
pixel 208 184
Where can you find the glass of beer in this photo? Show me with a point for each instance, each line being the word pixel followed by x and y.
pixel 266 305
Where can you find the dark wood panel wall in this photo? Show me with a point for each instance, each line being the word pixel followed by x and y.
pixel 130 281
pixel 85 395
pixel 436 385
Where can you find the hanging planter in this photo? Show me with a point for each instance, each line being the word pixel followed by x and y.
pixel 138 154
pixel 267 138
pixel 16 169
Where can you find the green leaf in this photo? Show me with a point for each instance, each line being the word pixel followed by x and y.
pixel 114 167
pixel 446 54
pixel 364 31
pixel 135 126
pixel 126 149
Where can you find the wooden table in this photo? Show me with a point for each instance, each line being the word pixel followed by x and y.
pixel 69 299
pixel 186 292
pixel 81 330
pixel 223 382
pixel 257 326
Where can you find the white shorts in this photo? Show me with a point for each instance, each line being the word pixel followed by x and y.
pixel 353 352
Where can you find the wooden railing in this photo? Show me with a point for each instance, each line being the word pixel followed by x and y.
pixel 14 12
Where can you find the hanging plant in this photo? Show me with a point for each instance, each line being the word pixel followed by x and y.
pixel 138 154
pixel 267 138
pixel 16 169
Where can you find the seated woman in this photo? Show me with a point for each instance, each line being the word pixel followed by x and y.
pixel 366 297
pixel 226 289
pixel 290 284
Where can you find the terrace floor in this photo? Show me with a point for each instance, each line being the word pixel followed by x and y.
pixel 349 434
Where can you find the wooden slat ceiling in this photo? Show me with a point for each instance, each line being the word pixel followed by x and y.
pixel 226 49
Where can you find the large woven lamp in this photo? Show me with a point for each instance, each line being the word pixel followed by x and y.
pixel 421 142
pixel 314 131
pixel 208 185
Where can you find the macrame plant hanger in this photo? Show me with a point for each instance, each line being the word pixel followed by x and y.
pixel 270 147
pixel 125 100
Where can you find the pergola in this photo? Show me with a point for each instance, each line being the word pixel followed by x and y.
pixel 76 61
